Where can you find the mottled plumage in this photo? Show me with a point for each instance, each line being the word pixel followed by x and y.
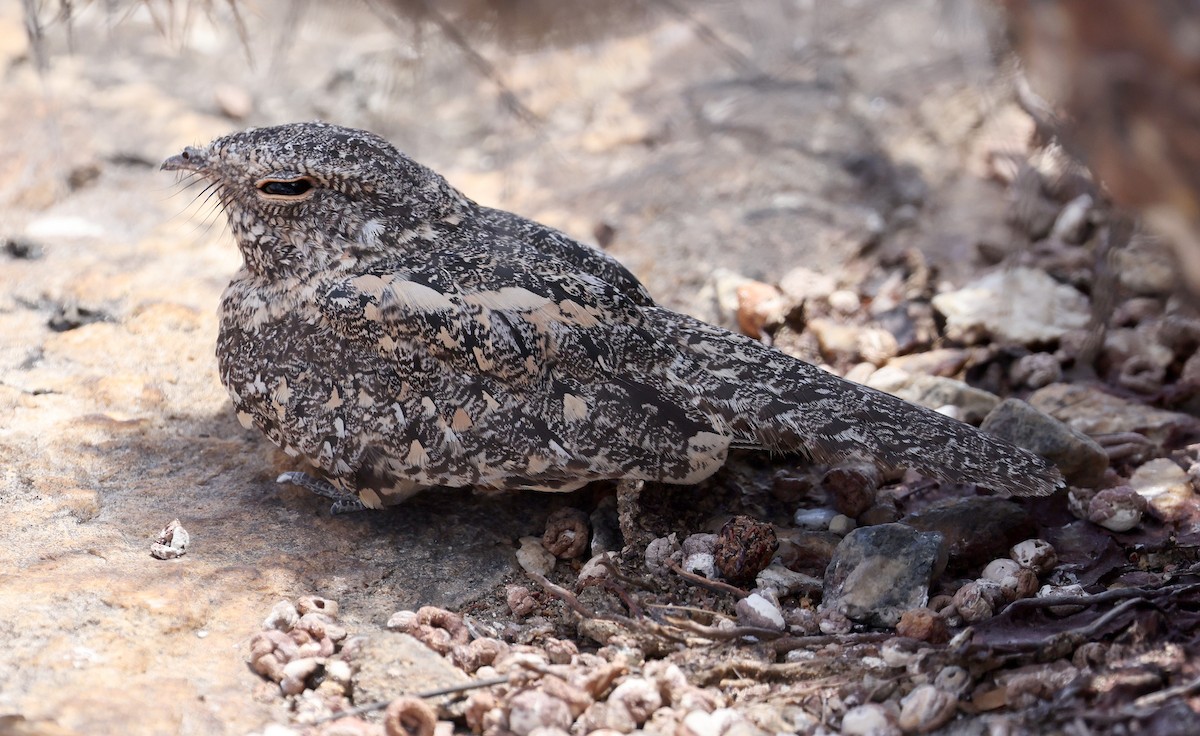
pixel 399 337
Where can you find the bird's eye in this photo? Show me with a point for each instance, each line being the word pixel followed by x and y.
pixel 285 187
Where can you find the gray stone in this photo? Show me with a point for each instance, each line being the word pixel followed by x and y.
pixel 389 664
pixel 1080 458
pixel 879 572
pixel 976 530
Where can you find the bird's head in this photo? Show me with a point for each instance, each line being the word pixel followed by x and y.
pixel 304 194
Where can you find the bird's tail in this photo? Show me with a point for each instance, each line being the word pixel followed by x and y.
pixel 777 402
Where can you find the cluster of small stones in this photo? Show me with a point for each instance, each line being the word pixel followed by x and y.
pixel 551 689
pixel 299 648
pixel 1002 581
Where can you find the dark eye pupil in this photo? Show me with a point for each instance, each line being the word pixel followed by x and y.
pixel 292 188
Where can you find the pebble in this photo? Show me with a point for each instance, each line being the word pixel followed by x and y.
pixel 172 542
pixel 533 557
pixel 1146 267
pixel 1036 554
pixel 844 301
pixel 851 486
pixel 1036 370
pixel 977 600
pixel 926 709
pixel 1071 225
pixel 520 600
pixel 879 572
pixel 1138 354
pixel 871 719
pixel 837 341
pixel 1073 590
pixel 594 569
pixel 884 512
pixel 937 362
pixel 841 525
pixel 923 624
pixel 785 582
pixel 744 547
pixel 282 617
pixel 760 307
pixel 1117 509
pixel 1021 305
pixel 808 551
pixel 661 550
pixel 760 612
pixel 698 555
pixel 532 709
pixel 802 284
pixel 1165 486
pixel 813 519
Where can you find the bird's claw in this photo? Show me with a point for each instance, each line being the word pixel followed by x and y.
pixel 343 501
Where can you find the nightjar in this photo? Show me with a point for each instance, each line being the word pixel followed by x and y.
pixel 399 337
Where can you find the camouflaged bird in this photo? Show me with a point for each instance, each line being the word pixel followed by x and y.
pixel 400 337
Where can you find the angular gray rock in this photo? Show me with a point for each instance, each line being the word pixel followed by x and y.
pixel 1080 458
pixel 879 572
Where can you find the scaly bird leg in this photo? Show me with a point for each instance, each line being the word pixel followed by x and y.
pixel 344 502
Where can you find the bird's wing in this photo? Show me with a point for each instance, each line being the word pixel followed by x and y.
pixel 554 244
pixel 554 318
pixel 557 376
pixel 777 402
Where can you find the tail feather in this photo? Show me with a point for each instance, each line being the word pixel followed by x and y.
pixel 780 403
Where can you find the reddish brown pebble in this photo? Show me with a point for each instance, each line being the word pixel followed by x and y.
pixel 559 651
pixel 852 487
pixel 567 533
pixel 759 306
pixel 520 601
pixel 480 652
pixel 744 548
pixel 436 628
pixel 974 600
pixel 924 625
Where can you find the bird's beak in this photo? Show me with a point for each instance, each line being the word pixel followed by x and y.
pixel 192 159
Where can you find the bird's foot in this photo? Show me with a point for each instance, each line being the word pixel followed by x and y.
pixel 344 502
